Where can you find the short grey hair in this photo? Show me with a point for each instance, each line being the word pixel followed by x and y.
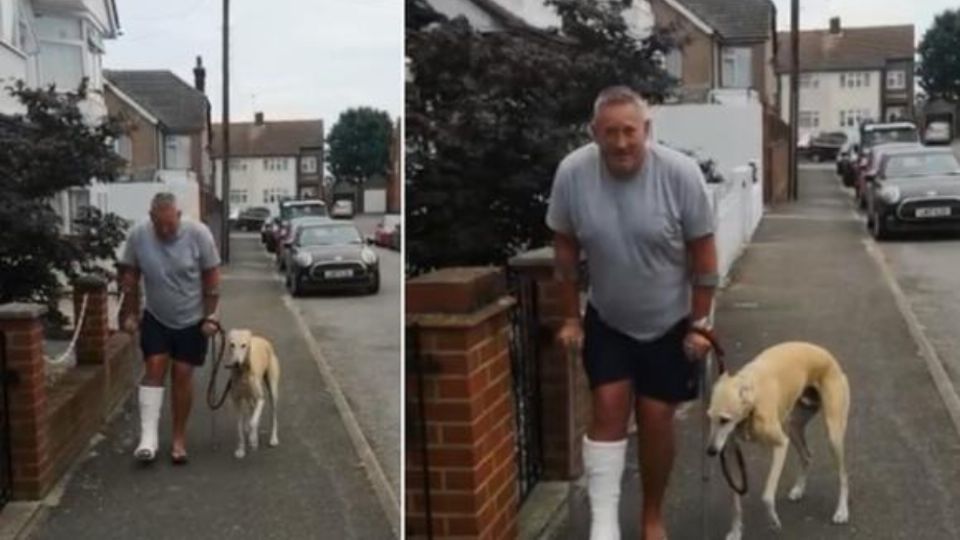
pixel 616 95
pixel 162 199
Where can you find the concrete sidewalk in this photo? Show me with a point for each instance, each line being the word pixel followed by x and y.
pixel 311 486
pixel 808 276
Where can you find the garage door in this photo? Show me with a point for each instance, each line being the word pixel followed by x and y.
pixel 375 201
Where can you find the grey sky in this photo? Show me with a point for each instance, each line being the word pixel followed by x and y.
pixel 816 13
pixel 292 59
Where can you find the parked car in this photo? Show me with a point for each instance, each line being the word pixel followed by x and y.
pixel 342 208
pixel 388 227
pixel 282 257
pixel 331 255
pixel 937 132
pixel 825 146
pixel 290 209
pixel 846 158
pixel 914 189
pixel 253 218
pixel 872 135
pixel 870 165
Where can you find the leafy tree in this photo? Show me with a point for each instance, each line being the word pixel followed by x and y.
pixel 939 69
pixel 360 144
pixel 44 151
pixel 490 115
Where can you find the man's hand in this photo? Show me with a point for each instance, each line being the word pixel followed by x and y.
pixel 209 327
pixel 130 325
pixel 696 346
pixel 570 335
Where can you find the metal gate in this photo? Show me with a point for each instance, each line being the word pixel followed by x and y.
pixel 525 368
pixel 416 426
pixel 6 464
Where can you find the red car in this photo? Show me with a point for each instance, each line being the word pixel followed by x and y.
pixel 387 230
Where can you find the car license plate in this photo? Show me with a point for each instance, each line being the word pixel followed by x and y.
pixel 336 274
pixel 937 211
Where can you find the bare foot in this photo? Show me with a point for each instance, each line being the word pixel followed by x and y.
pixel 654 532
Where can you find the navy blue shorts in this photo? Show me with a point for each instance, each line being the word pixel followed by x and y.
pixel 659 369
pixel 183 345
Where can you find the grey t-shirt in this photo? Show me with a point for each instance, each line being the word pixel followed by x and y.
pixel 634 234
pixel 172 270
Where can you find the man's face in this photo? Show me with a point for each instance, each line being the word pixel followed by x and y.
pixel 166 221
pixel 621 132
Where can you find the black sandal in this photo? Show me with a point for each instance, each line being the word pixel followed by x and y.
pixel 179 459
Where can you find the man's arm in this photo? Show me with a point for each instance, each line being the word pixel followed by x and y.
pixel 703 258
pixel 567 264
pixel 211 291
pixel 129 281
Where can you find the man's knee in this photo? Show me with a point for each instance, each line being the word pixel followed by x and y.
pixel 654 414
pixel 182 372
pixel 155 368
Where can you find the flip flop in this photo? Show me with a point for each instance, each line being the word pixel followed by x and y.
pixel 179 459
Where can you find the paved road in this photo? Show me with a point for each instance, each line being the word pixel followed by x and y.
pixel 312 486
pixel 360 337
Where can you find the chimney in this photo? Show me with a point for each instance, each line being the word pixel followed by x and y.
pixel 835 25
pixel 258 118
pixel 200 76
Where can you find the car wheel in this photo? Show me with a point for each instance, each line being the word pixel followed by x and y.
pixel 374 287
pixel 879 229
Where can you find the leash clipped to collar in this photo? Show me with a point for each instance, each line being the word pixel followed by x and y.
pixel 212 400
pixel 741 487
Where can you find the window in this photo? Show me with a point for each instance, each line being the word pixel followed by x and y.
pixel 176 153
pixel 308 165
pixel 276 164
pixel 853 117
pixel 809 119
pixel 737 67
pixel 123 146
pixel 895 113
pixel 896 80
pixel 238 196
pixel 79 199
pixel 273 195
pixel 809 80
pixel 855 79
pixel 673 63
pixel 238 165
pixel 62 48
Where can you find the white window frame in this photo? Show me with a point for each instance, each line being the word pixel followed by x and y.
pixel 809 119
pixel 897 80
pixel 737 67
pixel 809 81
pixel 308 164
pixel 238 196
pixel 79 43
pixel 181 157
pixel 673 63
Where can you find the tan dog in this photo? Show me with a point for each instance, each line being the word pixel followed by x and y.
pixel 252 363
pixel 782 388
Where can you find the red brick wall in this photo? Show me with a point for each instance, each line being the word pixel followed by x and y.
pixel 469 416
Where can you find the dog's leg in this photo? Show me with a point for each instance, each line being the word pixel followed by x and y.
pixel 773 479
pixel 736 529
pixel 836 407
pixel 255 424
pixel 241 436
pixel 796 430
pixel 273 374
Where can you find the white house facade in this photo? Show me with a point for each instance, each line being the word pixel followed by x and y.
pixel 834 101
pixel 259 181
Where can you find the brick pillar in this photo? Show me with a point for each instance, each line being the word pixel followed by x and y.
pixel 460 317
pixel 92 342
pixel 29 438
pixel 563 383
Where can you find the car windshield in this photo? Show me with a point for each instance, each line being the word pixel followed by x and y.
pixel 910 165
pixel 329 236
pixel 300 210
pixel 873 138
pixel 257 211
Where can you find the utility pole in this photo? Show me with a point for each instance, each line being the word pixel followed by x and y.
pixel 225 174
pixel 794 177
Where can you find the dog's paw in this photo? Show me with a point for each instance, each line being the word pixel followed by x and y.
pixel 240 453
pixel 274 441
pixel 734 535
pixel 841 516
pixel 772 515
pixel 796 493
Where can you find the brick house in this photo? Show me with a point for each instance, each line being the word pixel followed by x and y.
pixel 726 47
pixel 848 75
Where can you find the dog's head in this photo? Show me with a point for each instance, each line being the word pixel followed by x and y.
pixel 238 345
pixel 732 401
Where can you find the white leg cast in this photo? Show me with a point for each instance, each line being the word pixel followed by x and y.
pixel 603 463
pixel 151 403
pixel 736 528
pixel 773 479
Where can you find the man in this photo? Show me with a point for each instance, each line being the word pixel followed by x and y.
pixel 179 263
pixel 640 213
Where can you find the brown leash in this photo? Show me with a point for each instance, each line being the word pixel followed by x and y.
pixel 212 400
pixel 741 487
